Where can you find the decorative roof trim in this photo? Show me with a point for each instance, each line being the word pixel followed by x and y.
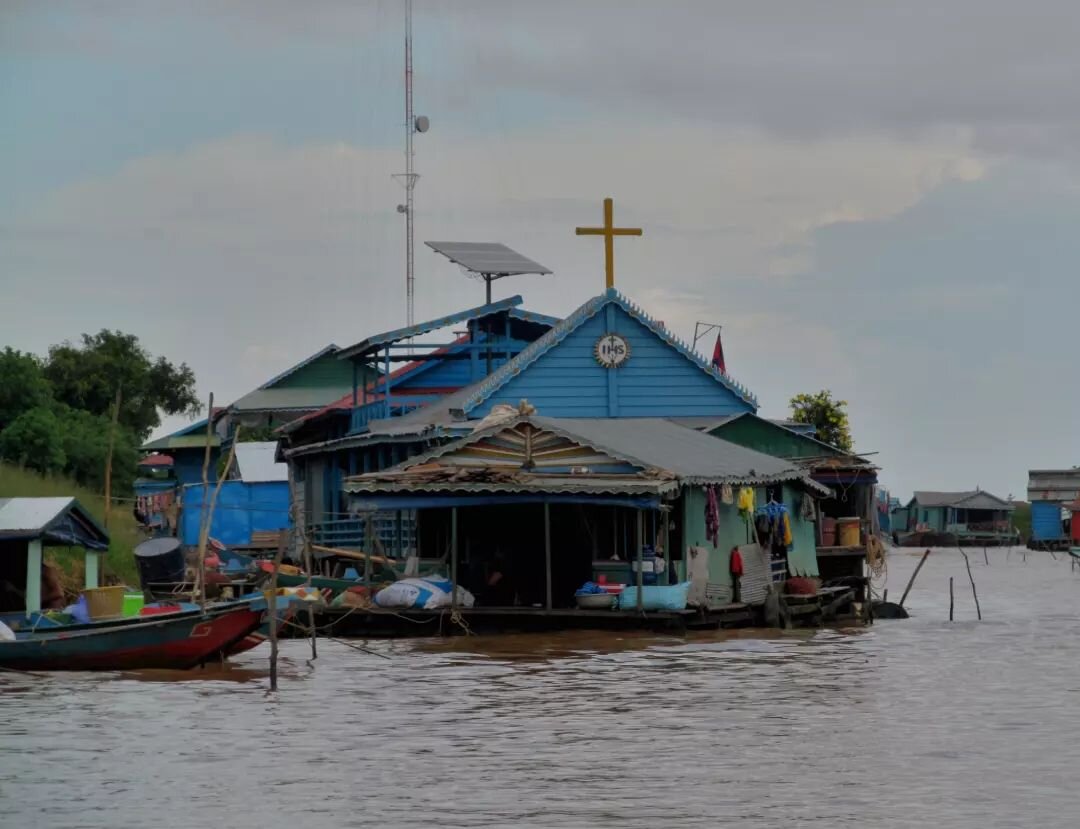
pixel 560 332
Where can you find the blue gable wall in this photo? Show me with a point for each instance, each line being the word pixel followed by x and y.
pixel 657 381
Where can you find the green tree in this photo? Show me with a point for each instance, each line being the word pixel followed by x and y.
pixel 34 440
pixel 85 439
pixel 22 385
pixel 87 376
pixel 828 416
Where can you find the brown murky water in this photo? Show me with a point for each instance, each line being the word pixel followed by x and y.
pixel 910 723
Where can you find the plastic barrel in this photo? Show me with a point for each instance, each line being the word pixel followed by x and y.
pixel 849 532
pixel 160 561
pixel 828 532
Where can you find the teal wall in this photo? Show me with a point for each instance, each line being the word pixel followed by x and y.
pixel 802 557
pixel 326 372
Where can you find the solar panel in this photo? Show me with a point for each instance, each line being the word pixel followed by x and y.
pixel 491 259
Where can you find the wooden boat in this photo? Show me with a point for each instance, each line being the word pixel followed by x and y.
pixel 173 640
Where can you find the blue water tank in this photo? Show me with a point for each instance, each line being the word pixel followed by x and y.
pixel 1046 522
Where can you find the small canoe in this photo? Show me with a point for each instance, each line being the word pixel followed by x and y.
pixel 173 641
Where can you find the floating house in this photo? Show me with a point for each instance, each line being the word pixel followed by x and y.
pixel 187 449
pixel 1050 491
pixel 615 450
pixel 970 517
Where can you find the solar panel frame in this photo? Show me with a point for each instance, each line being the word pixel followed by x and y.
pixel 490 259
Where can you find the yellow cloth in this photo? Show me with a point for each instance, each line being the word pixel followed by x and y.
pixel 788 539
pixel 746 500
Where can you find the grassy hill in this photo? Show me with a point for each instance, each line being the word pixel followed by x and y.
pixel 119 563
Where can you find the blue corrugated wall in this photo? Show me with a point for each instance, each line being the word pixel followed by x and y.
pixel 242 509
pixel 1046 522
pixel 657 381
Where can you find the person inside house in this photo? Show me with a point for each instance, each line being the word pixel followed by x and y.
pixel 498 588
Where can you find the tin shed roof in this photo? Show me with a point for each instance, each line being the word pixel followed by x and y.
pixel 969 499
pixel 255 463
pixel 60 521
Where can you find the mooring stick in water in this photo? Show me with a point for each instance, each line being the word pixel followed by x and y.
pixel 911 581
pixel 273 614
pixel 985 556
pixel 978 610
pixel 950 599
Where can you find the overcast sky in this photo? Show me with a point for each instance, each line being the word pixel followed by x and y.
pixel 874 198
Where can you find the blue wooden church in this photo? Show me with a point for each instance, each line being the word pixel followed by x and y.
pixel 624 408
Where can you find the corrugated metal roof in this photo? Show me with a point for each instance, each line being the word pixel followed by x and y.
pixel 193 435
pixel 659 446
pixel 571 485
pixel 969 499
pixel 373 343
pixel 690 455
pixel 59 520
pixel 287 399
pixel 255 463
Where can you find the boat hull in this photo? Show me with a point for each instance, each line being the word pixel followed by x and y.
pixel 160 642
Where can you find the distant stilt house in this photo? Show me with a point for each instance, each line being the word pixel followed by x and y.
pixel 970 517
pixel 1050 491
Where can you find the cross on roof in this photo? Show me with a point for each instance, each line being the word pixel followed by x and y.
pixel 609 232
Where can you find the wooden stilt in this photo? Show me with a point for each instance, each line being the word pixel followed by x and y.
pixel 453 556
pixel 272 602
pixel 950 598
pixel 640 559
pixel 547 549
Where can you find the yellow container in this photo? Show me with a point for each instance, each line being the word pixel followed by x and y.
pixel 105 602
pixel 849 532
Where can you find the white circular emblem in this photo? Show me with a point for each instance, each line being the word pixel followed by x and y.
pixel 612 350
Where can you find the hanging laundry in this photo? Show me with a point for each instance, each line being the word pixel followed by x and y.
pixel 727 496
pixel 746 501
pixel 712 516
pixel 808 509
pixel 788 538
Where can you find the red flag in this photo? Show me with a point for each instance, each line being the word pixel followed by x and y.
pixel 718 355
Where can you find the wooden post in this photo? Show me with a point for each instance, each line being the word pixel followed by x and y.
pixel 950 599
pixel 640 559
pixel 911 581
pixel 109 456
pixel 453 557
pixel 978 610
pixel 547 549
pixel 667 546
pixel 301 536
pixel 986 558
pixel 33 576
pixel 272 602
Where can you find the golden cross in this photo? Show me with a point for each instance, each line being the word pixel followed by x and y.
pixel 609 233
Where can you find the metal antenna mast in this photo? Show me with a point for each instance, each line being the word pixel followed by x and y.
pixel 408 178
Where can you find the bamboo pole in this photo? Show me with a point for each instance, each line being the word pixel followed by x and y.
pixel 300 535
pixel 205 505
pixel 359 555
pixel 204 530
pixel 109 454
pixel 950 599
pixel 911 581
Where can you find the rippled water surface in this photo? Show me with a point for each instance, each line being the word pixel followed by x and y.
pixel 908 723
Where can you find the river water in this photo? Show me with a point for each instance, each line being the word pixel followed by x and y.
pixel 908 723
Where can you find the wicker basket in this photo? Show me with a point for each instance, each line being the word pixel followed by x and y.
pixel 105 602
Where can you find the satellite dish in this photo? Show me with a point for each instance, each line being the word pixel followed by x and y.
pixel 422 123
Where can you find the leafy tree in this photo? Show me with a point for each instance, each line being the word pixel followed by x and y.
pixel 22 385
pixel 87 376
pixel 829 417
pixel 86 444
pixel 34 440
